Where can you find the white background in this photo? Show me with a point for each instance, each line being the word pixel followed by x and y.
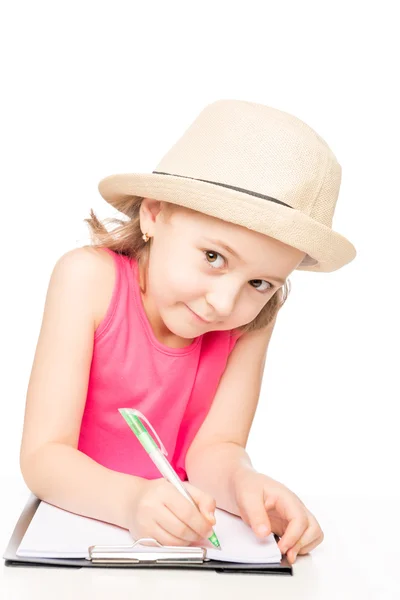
pixel 96 88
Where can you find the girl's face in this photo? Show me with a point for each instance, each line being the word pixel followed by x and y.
pixel 191 272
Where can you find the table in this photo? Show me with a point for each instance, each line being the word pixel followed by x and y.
pixel 358 559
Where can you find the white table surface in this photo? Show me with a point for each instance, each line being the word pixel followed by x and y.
pixel 358 559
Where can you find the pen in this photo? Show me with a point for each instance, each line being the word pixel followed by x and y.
pixel 132 417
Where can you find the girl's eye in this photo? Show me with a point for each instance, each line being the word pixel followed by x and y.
pixel 208 252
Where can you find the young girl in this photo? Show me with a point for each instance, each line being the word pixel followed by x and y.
pixel 171 312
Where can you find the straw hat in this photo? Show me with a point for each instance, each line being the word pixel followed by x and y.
pixel 255 166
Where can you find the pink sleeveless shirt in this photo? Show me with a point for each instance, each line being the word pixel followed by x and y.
pixel 131 368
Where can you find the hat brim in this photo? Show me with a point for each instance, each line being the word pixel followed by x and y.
pixel 329 249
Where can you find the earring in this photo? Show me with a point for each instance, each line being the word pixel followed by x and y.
pixel 145 237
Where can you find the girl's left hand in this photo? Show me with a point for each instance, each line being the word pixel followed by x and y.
pixel 266 503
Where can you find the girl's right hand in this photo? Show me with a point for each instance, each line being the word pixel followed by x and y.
pixel 158 510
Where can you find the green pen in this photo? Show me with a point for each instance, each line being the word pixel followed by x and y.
pixel 133 418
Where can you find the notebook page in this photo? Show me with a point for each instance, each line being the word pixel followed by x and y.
pixel 239 543
pixel 56 533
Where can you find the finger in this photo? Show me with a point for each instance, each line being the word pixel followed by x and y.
pixel 310 538
pixel 205 502
pixel 307 542
pixel 184 510
pixel 297 525
pixel 253 512
pixel 270 503
pixel 306 549
pixel 166 538
pixel 175 526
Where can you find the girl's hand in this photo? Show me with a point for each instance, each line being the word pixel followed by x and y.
pixel 268 506
pixel 158 510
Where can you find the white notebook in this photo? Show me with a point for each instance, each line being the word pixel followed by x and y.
pixel 56 533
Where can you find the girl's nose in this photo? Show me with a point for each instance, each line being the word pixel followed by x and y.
pixel 223 300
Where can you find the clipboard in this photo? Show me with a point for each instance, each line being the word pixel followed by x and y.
pixel 134 556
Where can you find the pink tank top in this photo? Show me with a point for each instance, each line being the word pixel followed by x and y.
pixel 131 368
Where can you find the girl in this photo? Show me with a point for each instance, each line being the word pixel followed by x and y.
pixel 171 312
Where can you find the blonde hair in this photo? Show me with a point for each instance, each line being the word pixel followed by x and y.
pixel 126 239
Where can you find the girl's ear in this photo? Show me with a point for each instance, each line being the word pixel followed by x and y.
pixel 149 209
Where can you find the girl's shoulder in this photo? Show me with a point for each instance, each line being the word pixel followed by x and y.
pixel 99 264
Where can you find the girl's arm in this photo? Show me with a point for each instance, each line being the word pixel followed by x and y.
pixel 218 453
pixel 51 465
